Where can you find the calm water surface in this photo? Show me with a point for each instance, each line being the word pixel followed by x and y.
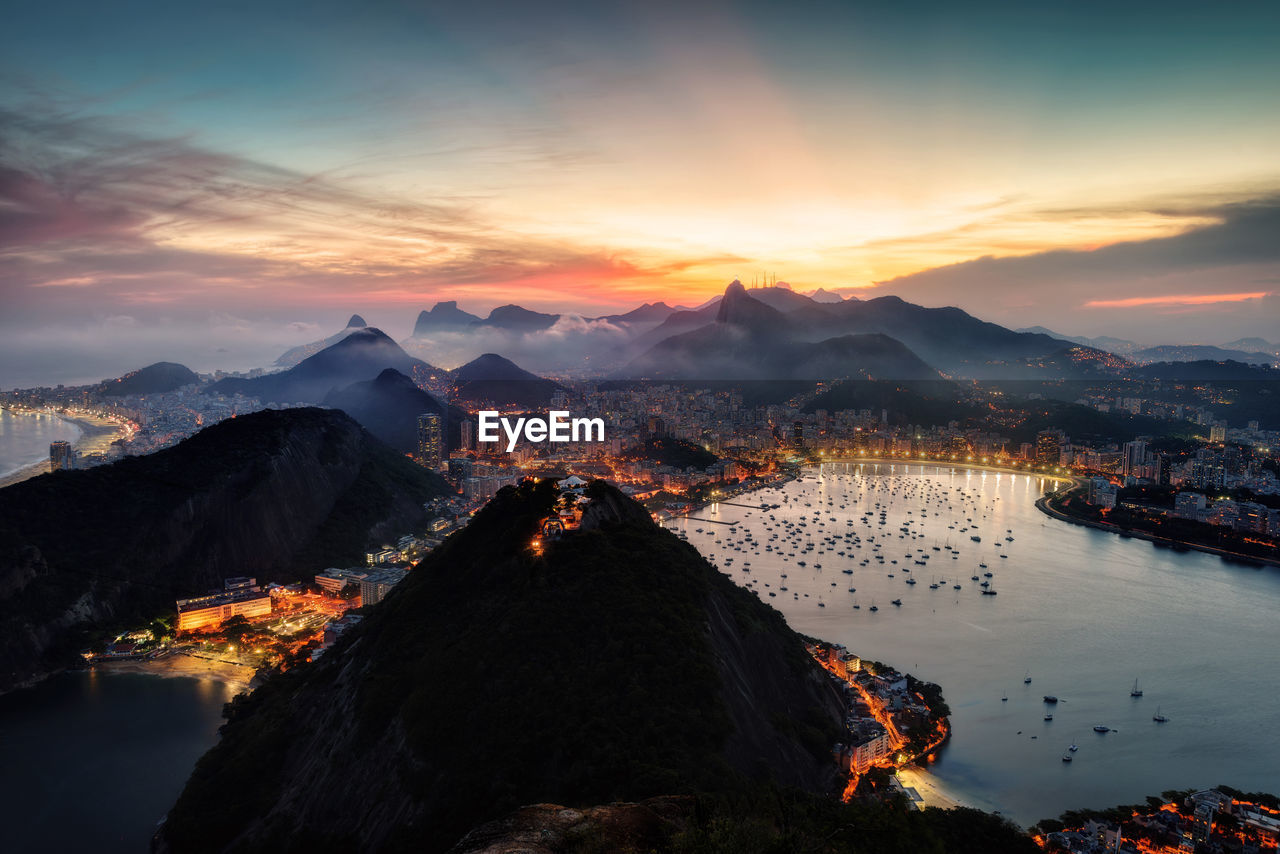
pixel 1082 612
pixel 24 439
pixel 90 762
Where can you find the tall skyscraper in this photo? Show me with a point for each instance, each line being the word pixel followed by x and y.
pixel 61 456
pixel 430 440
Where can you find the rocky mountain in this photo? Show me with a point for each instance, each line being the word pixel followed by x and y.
pixel 153 379
pixel 491 377
pixel 444 316
pixel 709 343
pixel 388 406
pixel 360 355
pixel 518 319
pixel 751 340
pixel 275 494
pixel 612 663
pixel 294 355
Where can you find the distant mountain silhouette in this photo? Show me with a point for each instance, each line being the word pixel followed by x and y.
pixel 750 340
pixel 443 316
pixel 1252 345
pixel 947 338
pixel 1119 346
pixel 826 296
pixel 650 312
pixel 493 378
pixel 153 379
pixel 294 355
pixel 518 319
pixel 1199 353
pixel 361 355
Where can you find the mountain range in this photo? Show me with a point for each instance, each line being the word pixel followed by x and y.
pixel 752 338
pixel 359 355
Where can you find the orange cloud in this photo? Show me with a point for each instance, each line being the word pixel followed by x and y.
pixel 1176 299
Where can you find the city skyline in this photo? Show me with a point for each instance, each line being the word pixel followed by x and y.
pixel 235 180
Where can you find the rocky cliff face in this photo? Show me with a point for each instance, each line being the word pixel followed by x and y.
pixel 613 663
pixel 276 495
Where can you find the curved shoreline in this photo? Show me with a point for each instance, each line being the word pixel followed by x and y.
pixel 94 436
pixel 1042 504
pixel 955 464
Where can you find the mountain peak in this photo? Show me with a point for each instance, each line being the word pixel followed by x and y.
pixel 356 320
pixel 740 308
pixel 443 315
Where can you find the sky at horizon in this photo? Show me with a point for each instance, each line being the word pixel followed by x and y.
pixel 222 181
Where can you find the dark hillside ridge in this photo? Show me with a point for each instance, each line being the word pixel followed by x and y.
pixel 615 664
pixel 277 495
pixel 153 379
pixel 361 355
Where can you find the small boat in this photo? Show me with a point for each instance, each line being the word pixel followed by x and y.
pixel 1159 718
pixel 1073 748
pixel 1027 680
pixel 1101 728
pixel 873 608
pixel 1048 717
pixel 1066 757
pixel 988 592
pixel 1049 698
pixel 897 602
pixel 1004 698
pixel 1136 692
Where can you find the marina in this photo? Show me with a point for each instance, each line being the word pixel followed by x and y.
pixel 1081 610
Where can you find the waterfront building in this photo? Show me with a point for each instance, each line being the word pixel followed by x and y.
pixel 236 599
pixel 61 456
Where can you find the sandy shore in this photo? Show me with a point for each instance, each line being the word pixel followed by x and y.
pixel 181 664
pixel 96 436
pixel 930 790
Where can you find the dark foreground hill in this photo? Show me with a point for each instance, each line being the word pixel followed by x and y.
pixel 615 664
pixel 275 494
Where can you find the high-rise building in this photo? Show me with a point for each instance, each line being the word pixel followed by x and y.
pixel 467 435
pixel 430 440
pixel 1048 448
pixel 1134 458
pixel 61 456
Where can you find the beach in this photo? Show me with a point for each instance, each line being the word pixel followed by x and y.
pixel 96 436
pixel 183 665
pixel 928 788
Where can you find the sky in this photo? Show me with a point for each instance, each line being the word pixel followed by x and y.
pixel 217 182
